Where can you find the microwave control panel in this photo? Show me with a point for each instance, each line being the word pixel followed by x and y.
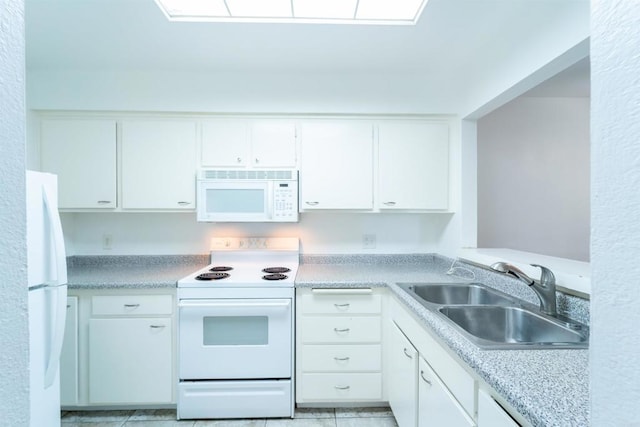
pixel 285 201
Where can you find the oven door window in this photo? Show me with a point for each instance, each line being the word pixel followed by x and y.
pixel 235 330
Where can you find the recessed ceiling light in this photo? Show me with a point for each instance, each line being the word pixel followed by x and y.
pixel 394 12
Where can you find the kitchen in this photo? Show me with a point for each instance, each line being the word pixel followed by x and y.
pixel 419 233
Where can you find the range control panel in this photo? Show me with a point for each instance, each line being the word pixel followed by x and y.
pixel 252 243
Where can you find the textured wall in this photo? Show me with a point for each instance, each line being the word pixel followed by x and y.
pixel 615 204
pixel 533 177
pixel 14 375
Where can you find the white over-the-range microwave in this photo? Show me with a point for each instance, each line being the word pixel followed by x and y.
pixel 247 195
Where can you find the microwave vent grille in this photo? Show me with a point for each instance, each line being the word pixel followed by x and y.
pixel 248 174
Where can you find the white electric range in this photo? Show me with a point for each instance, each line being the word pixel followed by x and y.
pixel 235 331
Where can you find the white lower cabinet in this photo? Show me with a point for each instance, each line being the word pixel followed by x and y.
pixel 69 393
pixel 436 405
pixel 130 361
pixel 491 414
pixel 338 346
pixel 402 384
pixel 119 349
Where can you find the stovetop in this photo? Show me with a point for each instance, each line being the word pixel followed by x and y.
pixel 240 262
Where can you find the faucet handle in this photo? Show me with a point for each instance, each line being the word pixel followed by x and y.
pixel 546 275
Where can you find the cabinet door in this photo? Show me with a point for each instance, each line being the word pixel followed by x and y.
pixel 273 144
pixel 83 155
pixel 225 143
pixel 490 414
pixel 336 170
pixel 69 356
pixel 436 405
pixel 130 361
pixel 402 378
pixel 158 165
pixel 413 165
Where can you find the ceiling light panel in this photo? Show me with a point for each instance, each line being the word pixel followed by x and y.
pixel 405 10
pixel 194 8
pixel 324 9
pixel 260 8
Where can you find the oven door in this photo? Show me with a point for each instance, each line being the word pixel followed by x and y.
pixel 235 338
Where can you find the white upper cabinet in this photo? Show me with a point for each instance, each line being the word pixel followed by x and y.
pixel 240 143
pixel 158 164
pixel 83 155
pixel 336 170
pixel 413 165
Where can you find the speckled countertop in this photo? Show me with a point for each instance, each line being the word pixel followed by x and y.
pixel 547 387
pixel 111 272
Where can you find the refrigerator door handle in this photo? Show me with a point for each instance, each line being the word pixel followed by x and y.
pixel 56 296
pixel 58 239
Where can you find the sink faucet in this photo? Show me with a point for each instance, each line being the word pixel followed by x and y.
pixel 545 288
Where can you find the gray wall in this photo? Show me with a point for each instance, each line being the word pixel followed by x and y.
pixel 14 339
pixel 533 177
pixel 615 235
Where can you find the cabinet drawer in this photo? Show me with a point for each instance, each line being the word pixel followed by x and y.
pixel 338 329
pixel 338 387
pixel 131 305
pixel 341 358
pixel 333 301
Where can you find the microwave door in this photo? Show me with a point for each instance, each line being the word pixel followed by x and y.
pixel 234 202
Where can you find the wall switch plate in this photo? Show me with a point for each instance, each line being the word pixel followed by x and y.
pixel 107 241
pixel 368 241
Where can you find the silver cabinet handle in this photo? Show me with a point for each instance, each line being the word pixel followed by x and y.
pixel 423 378
pixel 157 326
pixel 312 203
pixel 104 202
pixel 407 354
pixel 339 306
pixel 184 203
pixel 341 330
pixel 341 359
pixel 257 160
pixel 239 160
pixel 389 203
pixel 342 387
pixel 132 305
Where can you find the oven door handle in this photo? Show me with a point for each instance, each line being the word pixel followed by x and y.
pixel 222 304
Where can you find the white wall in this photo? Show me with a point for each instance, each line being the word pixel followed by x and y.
pixel 533 177
pixel 615 247
pixel 329 233
pixel 14 330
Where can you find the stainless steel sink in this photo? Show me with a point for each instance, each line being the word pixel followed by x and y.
pixel 494 320
pixel 514 327
pixel 457 293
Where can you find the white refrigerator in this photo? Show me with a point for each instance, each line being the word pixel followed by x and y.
pixel 47 277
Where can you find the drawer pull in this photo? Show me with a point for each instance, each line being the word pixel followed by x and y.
pixel 342 306
pixel 157 326
pixel 131 305
pixel 342 387
pixel 339 331
pixel 407 354
pixel 184 203
pixel 423 378
pixel 341 291
pixel 104 202
pixel 341 359
pixel 313 203
pixel 389 203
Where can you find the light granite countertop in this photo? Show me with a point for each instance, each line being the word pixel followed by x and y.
pixel 131 272
pixel 547 387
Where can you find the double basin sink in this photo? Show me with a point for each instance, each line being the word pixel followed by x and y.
pixel 491 319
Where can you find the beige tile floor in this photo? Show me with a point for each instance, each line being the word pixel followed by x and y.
pixel 339 417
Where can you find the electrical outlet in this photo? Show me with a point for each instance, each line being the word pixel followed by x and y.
pixel 107 241
pixel 368 241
